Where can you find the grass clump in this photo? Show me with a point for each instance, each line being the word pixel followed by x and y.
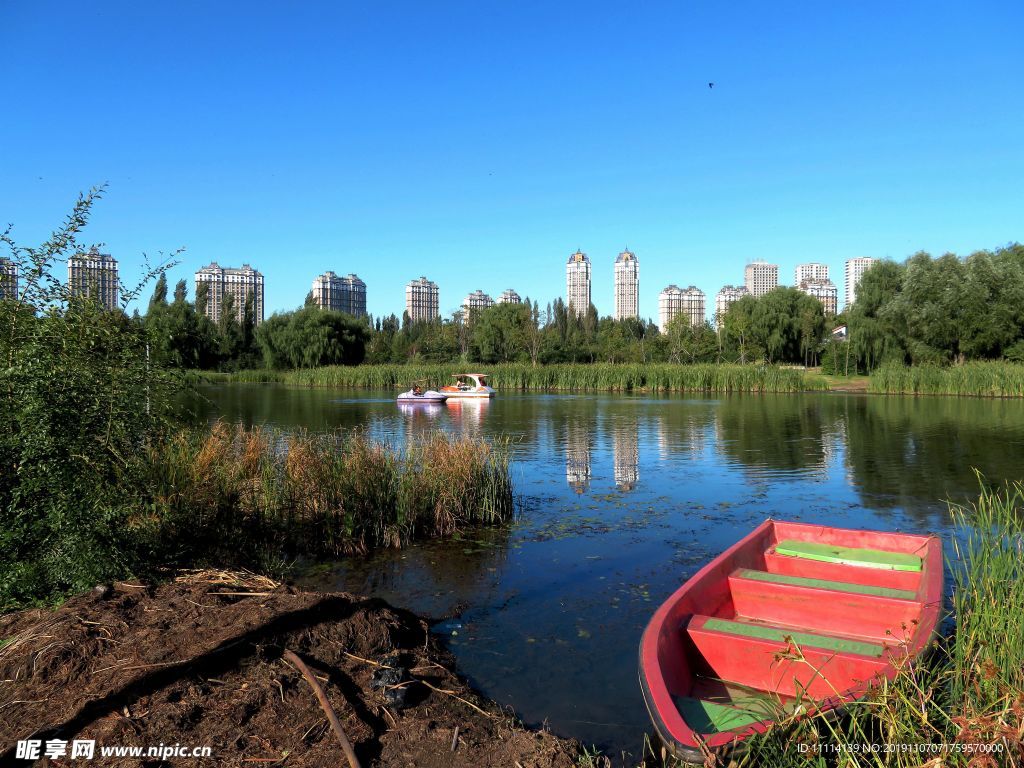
pixel 572 377
pixel 978 379
pixel 252 496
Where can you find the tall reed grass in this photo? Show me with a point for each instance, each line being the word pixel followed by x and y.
pixel 234 492
pixel 596 377
pixel 963 703
pixel 977 379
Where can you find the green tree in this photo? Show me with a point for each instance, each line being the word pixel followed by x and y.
pixel 876 334
pixel 312 337
pixel 81 406
pixel 689 343
pixel 500 333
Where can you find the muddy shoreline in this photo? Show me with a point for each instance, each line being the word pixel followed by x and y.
pixel 197 661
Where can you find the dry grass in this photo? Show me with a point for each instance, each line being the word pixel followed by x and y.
pixel 263 491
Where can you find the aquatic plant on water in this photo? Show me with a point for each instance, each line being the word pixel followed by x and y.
pixel 248 493
pixel 978 379
pixel 596 377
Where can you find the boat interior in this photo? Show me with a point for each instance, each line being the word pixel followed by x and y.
pixel 794 616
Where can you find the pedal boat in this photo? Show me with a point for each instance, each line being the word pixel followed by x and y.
pixel 792 618
pixel 427 397
pixel 468 385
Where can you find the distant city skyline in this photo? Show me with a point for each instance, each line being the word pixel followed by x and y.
pixel 349 293
pixel 365 145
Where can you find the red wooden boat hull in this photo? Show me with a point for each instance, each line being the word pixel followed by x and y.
pixel 791 615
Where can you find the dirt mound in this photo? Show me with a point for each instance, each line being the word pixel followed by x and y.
pixel 198 662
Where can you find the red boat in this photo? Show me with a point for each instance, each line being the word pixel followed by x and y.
pixel 792 618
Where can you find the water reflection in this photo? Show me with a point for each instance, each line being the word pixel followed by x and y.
pixel 626 452
pixel 577 457
pixel 551 609
pixel 775 436
pixel 892 453
pixel 467 414
pixel 421 414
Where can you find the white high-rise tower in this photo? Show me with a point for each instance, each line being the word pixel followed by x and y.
pixel 855 269
pixel 627 285
pixel 577 283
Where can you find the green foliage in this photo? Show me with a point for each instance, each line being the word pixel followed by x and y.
pixel 688 343
pixel 178 335
pixel 312 337
pixel 783 326
pixel 499 333
pixel 933 312
pixel 81 404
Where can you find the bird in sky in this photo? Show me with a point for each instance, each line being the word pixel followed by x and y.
pixel 711 85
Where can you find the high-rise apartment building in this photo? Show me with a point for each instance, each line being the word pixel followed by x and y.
pixel 725 298
pixel 238 283
pixel 811 271
pixel 627 285
pixel 577 283
pixel 824 291
pixel 422 300
pixel 676 301
pixel 476 302
pixel 94 274
pixel 509 296
pixel 855 269
pixel 761 277
pixel 8 279
pixel 340 294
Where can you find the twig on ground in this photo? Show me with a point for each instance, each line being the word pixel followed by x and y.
pixel 325 705
pixel 365 661
pixel 454 696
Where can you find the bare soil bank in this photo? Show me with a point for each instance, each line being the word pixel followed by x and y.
pixel 198 662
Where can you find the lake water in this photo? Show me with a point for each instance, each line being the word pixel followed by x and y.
pixel 623 497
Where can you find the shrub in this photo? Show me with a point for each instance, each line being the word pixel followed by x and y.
pixel 81 402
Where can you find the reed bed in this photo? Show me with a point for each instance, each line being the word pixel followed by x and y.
pixel 249 493
pixel 977 379
pixel 595 377
pixel 963 704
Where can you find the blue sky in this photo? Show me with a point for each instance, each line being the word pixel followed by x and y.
pixel 480 143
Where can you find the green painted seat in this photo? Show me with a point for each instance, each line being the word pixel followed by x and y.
pixel 865 558
pixel 836 586
pixel 800 637
pixel 711 717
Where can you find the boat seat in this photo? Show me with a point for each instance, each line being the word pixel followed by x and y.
pixel 802 637
pixel 752 654
pixel 865 558
pixel 711 717
pixel 835 586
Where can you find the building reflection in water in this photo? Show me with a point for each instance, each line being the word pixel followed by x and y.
pixel 577 457
pixel 626 451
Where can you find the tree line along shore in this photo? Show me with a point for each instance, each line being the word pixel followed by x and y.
pixel 925 311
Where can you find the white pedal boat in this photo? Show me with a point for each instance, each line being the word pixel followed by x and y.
pixel 430 396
